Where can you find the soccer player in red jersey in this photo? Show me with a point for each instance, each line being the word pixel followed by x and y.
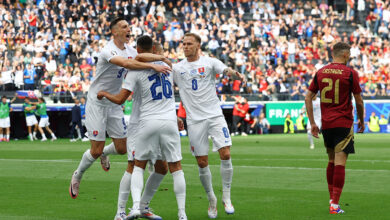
pixel 336 83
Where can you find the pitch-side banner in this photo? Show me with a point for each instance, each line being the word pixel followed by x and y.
pixel 276 112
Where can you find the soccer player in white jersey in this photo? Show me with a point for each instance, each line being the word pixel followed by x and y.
pixel 102 115
pixel 161 167
pixel 317 118
pixel 157 137
pixel 195 77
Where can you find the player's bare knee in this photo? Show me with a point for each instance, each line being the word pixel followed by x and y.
pixel 202 161
pixel 130 166
pixel 174 166
pixel 121 150
pixel 140 163
pixel 96 153
pixel 224 153
pixel 161 167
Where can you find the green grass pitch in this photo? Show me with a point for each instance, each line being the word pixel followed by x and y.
pixel 275 177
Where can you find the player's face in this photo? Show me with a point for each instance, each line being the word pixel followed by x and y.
pixel 4 100
pixel 121 31
pixel 190 46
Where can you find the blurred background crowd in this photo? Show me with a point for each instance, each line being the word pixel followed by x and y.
pixel 53 46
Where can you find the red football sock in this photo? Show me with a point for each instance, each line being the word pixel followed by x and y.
pixel 338 182
pixel 329 178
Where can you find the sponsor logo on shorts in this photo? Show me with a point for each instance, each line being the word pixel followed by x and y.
pixel 182 73
pixel 95 133
pixel 133 153
pixel 192 148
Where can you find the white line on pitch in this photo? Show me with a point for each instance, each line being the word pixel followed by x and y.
pixel 192 165
pixel 351 160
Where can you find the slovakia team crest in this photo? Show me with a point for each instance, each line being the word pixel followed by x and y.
pixel 95 133
pixel 201 72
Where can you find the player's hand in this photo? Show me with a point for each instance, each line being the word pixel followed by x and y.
pixel 100 95
pixel 361 127
pixel 241 77
pixel 167 61
pixel 315 130
pixel 162 69
pixel 180 124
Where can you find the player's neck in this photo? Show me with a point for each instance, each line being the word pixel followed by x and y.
pixel 193 58
pixel 118 43
pixel 340 61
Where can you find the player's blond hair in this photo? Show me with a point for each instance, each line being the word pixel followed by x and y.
pixel 197 38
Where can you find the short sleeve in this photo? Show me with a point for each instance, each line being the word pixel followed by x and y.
pixel 314 85
pixel 355 83
pixel 107 55
pixel 218 66
pixel 175 73
pixel 130 81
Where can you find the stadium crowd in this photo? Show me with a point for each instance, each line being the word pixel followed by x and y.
pixel 53 45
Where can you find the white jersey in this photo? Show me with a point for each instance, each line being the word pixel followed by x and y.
pixel 155 91
pixel 196 82
pixel 109 77
pixel 316 112
pixel 135 111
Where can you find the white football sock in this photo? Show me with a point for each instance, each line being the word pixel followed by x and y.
pixel 86 161
pixel 78 133
pixel 310 137
pixel 137 183
pixel 151 187
pixel 53 135
pixel 109 150
pixel 43 136
pixel 179 187
pixel 206 180
pixel 7 136
pixel 35 134
pixel 227 176
pixel 31 136
pixel 124 191
pixel 1 136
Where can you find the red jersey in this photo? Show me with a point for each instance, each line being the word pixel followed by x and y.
pixel 181 112
pixel 336 83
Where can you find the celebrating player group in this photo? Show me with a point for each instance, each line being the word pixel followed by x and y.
pixel 152 132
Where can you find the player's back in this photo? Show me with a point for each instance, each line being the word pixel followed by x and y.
pixel 336 83
pixel 109 77
pixel 156 94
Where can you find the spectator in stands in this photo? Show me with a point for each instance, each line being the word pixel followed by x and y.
pixel 29 77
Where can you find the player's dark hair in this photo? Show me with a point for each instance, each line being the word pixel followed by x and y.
pixel 197 38
pixel 2 97
pixel 145 43
pixel 340 47
pixel 115 21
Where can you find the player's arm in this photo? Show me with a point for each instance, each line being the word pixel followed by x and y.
pixel 149 57
pixel 119 98
pixel 309 110
pixel 137 65
pixel 180 124
pixel 30 108
pixel 360 111
pixel 230 72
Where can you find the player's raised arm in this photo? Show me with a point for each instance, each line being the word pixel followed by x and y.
pixel 119 98
pixel 137 65
pixel 229 71
pixel 149 57
pixel 360 111
pixel 309 110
